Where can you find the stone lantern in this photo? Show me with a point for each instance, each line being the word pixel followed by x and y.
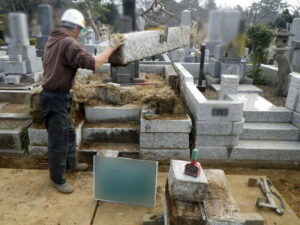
pixel 284 66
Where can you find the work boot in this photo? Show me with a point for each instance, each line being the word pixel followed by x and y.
pixel 64 188
pixel 81 167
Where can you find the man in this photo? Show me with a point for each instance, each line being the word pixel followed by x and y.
pixel 63 55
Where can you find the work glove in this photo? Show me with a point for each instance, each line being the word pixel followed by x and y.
pixel 117 40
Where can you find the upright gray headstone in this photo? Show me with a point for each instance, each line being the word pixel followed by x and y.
pixel 215 24
pixel 295 30
pixel 18 29
pixel 230 26
pixel 46 19
pixel 186 20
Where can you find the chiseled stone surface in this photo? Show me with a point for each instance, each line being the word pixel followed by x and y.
pixel 208 152
pixel 183 187
pixel 163 155
pixel 296 119
pixel 217 140
pixel 266 150
pixel 253 219
pixel 219 204
pixel 34 65
pixel 15 67
pixel 169 126
pixel 219 128
pixel 164 140
pixel 144 44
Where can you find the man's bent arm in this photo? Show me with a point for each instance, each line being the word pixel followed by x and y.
pixel 101 58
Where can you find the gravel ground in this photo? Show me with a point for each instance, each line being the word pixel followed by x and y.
pixel 268 93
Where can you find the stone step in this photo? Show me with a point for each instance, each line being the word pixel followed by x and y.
pixel 111 132
pixel 130 150
pixel 12 135
pixel 112 113
pixel 276 151
pixel 270 131
pixel 259 110
pixel 15 96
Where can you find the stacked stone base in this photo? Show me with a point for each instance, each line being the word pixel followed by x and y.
pixel 163 140
pixel 23 66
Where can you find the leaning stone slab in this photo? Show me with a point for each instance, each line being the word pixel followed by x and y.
pixel 164 140
pixel 183 187
pixel 144 44
pixel 219 204
pixel 163 126
pixel 163 155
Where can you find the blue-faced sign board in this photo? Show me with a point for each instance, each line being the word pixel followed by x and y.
pixel 125 180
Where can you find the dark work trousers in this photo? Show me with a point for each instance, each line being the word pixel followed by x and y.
pixel 55 107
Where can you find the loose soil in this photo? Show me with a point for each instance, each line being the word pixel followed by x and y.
pixel 269 93
pixel 210 94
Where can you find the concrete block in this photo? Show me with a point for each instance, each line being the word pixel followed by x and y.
pixel 15 67
pixel 164 140
pixel 34 65
pixel 242 88
pixel 2 60
pixel 153 219
pixel 233 109
pixel 207 152
pixel 270 131
pixel 101 133
pixel 124 113
pixel 144 44
pixel 183 187
pixel 219 204
pixel 163 155
pixel 166 126
pixel 38 151
pixel 27 52
pixel 217 140
pixel 32 77
pixel 12 79
pixel 296 119
pixel 182 213
pixel 266 150
pixel 185 77
pixel 219 128
pixel 253 219
pixel 215 67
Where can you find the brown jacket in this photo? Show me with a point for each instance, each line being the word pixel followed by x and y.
pixel 63 55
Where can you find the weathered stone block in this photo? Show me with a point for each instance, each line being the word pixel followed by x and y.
pixel 112 114
pixel 166 126
pixel 15 67
pixel 253 219
pixel 27 52
pixel 34 65
pixel 207 152
pixel 183 187
pixel 163 155
pixel 219 128
pixel 12 79
pixel 219 204
pixel 164 140
pixel 229 85
pixel 217 140
pixel 123 78
pixel 144 44
pixel 171 76
pixel 38 151
pixel 296 119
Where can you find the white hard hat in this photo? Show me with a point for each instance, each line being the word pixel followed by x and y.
pixel 73 16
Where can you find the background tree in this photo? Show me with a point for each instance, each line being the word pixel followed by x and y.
pixel 259 40
pixel 210 4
